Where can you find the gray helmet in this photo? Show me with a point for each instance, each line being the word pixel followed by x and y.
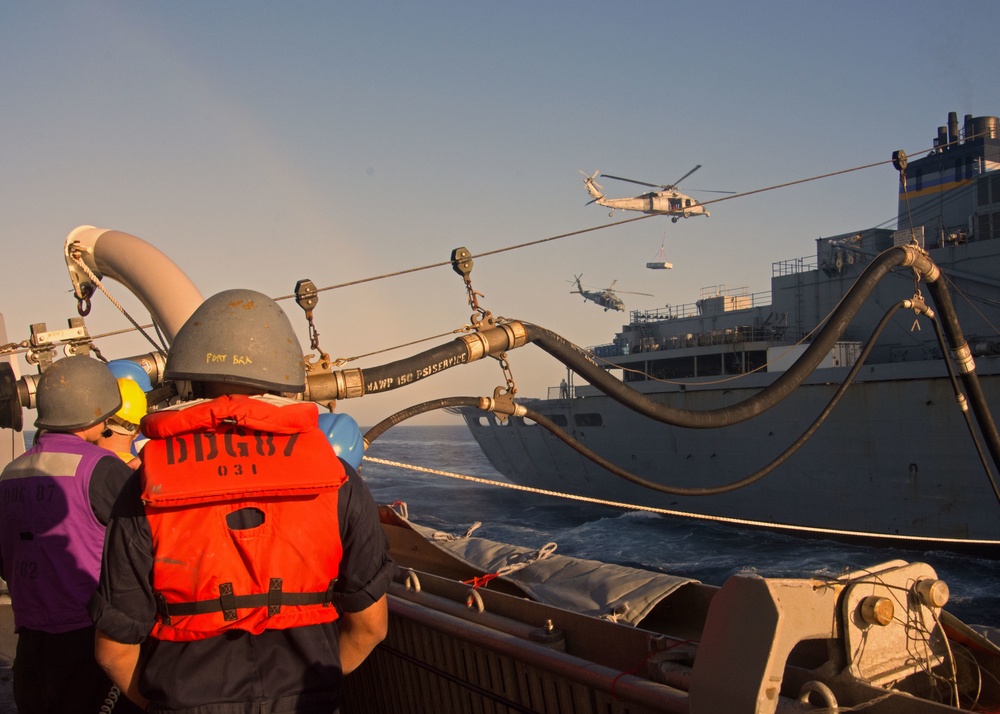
pixel 76 393
pixel 240 337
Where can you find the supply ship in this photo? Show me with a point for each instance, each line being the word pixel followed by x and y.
pixel 895 458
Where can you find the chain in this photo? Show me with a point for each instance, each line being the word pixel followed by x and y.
pixel 507 374
pixel 12 347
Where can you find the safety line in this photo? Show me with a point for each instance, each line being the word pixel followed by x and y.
pixel 683 514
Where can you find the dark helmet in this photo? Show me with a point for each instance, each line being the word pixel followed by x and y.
pixel 239 337
pixel 76 393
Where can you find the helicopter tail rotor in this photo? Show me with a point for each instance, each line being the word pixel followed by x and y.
pixel 595 189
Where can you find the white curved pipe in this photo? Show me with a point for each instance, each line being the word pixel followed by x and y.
pixel 163 288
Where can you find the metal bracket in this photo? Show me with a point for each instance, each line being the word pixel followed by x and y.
pixel 503 404
pixel 42 344
pixel 80 260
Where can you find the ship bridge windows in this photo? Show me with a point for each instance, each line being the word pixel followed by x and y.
pixel 732 363
pixel 754 360
pixel 491 420
pixel 558 419
pixel 707 365
pixel 589 419
pixel 987 216
pixel 675 368
pixel 710 365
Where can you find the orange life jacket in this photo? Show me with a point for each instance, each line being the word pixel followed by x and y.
pixel 237 453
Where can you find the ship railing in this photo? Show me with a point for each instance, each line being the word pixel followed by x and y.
pixel 744 333
pixel 732 299
pixel 794 266
pixel 563 391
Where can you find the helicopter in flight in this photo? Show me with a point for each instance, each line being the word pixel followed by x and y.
pixel 606 298
pixel 666 200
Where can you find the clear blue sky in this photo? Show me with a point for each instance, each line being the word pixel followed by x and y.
pixel 260 143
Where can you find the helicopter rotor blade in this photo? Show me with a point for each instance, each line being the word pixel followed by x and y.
pixel 641 183
pixel 674 184
pixel 706 190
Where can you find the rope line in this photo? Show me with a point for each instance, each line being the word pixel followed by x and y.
pixel 444 263
pixel 795 183
pixel 671 512
pixel 90 274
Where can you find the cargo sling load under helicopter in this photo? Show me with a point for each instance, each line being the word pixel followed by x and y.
pixel 666 201
pixel 660 263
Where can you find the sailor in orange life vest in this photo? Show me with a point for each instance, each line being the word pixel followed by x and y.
pixel 245 569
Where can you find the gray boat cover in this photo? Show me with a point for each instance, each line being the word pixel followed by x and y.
pixel 589 587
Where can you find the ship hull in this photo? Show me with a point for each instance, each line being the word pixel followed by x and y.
pixel 894 460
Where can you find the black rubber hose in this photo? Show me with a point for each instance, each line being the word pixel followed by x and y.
pixel 575 358
pixel 549 425
pixel 410 412
pixel 960 350
pixel 406 371
pixel 963 407
pixel 555 430
pixel 581 363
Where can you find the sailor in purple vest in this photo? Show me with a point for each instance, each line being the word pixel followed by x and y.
pixel 55 501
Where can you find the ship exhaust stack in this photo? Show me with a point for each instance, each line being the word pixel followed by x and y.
pixel 982 127
pixel 952 127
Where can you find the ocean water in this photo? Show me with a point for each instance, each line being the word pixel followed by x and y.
pixel 704 551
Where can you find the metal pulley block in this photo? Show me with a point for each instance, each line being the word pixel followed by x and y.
pixel 461 262
pixel 83 270
pixel 899 160
pixel 307 297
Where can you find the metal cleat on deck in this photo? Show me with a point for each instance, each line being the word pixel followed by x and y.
pixel 882 630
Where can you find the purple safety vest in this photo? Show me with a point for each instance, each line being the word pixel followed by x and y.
pixel 50 539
